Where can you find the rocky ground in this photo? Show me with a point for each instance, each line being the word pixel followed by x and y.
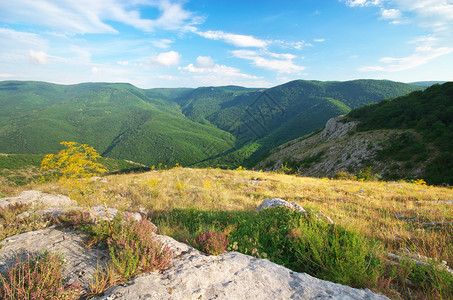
pixel 192 275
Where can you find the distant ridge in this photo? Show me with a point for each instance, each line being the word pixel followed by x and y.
pixel 427 83
pixel 223 126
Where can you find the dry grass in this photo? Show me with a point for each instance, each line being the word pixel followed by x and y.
pixel 392 212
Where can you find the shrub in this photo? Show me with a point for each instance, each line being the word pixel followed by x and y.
pixel 134 249
pixel 211 242
pixel 74 162
pixel 344 175
pixel 37 278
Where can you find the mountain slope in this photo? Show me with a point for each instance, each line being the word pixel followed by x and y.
pixel 104 115
pixel 407 137
pixel 212 126
pixel 261 120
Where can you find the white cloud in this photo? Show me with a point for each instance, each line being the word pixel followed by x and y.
pixel 319 40
pixel 221 70
pixel 422 55
pixel 38 57
pixel 283 64
pixel 435 16
pixel 362 2
pixel 12 39
pixel 389 14
pixel 237 40
pixel 205 73
pixel 205 62
pixel 87 16
pixel 167 59
pixel 292 45
pixel 162 43
pixel 168 77
pixel 123 63
pixel 205 65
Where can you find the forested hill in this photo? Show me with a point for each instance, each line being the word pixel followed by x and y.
pixel 213 126
pixel 429 113
pixel 261 120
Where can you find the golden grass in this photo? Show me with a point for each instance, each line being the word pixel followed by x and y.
pixel 392 212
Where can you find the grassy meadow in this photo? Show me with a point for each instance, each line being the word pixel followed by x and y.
pixel 371 219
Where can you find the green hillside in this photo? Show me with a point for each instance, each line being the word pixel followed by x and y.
pixel 430 114
pixel 263 119
pixel 216 126
pixel 119 120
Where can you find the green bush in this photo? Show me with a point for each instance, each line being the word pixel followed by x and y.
pixel 297 241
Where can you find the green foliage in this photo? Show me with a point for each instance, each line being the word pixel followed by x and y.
pixel 403 147
pixel 430 113
pixel 289 238
pixel 344 175
pixel 132 245
pixel 37 278
pixel 134 249
pixel 212 125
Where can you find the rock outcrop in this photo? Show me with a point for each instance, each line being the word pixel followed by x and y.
pixel 336 128
pixel 39 198
pixel 192 275
pixel 80 262
pixel 231 275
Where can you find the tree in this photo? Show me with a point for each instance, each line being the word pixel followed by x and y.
pixel 74 162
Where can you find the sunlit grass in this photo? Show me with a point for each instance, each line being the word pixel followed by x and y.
pixel 393 213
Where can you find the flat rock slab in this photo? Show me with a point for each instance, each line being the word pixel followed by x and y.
pixel 80 262
pixel 231 275
pixel 39 198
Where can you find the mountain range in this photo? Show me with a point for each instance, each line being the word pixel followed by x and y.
pixel 207 126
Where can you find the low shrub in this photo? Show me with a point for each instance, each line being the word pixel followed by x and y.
pixel 134 249
pixel 211 242
pixel 37 278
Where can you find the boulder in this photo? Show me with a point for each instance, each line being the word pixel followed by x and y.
pixel 277 202
pixel 39 198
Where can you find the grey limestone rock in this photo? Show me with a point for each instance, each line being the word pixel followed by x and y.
pixel 80 262
pixel 231 275
pixel 276 202
pixel 39 198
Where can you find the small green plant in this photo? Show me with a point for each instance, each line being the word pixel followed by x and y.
pixel 135 250
pixel 285 169
pixel 212 242
pixel 37 278
pixel 344 175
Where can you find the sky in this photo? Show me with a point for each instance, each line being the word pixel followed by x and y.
pixel 171 43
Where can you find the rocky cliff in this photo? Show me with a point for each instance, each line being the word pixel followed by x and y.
pixel 339 147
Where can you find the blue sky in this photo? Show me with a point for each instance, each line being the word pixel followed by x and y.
pixel 169 43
